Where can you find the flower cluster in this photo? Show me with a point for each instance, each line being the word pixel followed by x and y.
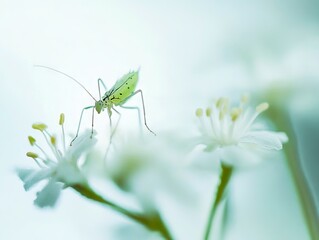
pixel 150 169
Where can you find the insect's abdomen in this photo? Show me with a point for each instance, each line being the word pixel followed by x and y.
pixel 124 88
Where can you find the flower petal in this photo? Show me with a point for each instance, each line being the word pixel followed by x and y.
pixel 203 160
pixel 240 157
pixel 264 139
pixel 69 173
pixel 30 177
pixel 24 173
pixel 282 137
pixel 82 144
pixel 49 195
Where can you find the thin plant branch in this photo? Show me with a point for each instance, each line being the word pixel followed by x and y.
pixel 152 222
pixel 225 176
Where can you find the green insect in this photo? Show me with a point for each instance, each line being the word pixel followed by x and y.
pixel 120 93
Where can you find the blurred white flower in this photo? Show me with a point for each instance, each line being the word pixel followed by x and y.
pixel 60 169
pixel 149 168
pixel 230 133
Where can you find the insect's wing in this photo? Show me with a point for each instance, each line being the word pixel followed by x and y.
pixel 123 88
pixel 129 77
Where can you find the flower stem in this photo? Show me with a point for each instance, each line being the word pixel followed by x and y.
pixel 225 176
pixel 283 122
pixel 152 222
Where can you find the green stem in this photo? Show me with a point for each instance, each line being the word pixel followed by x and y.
pixel 224 180
pixel 152 222
pixel 283 122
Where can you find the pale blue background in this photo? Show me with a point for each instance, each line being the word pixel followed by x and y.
pixel 189 52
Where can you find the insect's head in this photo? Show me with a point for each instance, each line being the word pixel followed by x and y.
pixel 99 106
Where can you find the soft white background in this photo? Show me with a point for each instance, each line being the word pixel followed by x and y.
pixel 189 52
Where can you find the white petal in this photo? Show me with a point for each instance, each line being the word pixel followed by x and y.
pixel 203 160
pixel 24 173
pixel 240 157
pixel 263 139
pixel 282 137
pixel 81 144
pixel 209 143
pixel 31 177
pixel 49 194
pixel 69 173
pixel 231 155
pixel 94 164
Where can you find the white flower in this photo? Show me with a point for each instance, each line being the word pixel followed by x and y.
pixel 60 170
pixel 149 168
pixel 232 135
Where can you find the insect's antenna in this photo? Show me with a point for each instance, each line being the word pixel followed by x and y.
pixel 55 70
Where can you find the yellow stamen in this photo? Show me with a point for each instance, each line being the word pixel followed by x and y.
pixel 53 140
pixel 199 112
pixel 208 112
pixel 31 140
pixel 61 121
pixel 220 102
pixel 235 113
pixel 39 126
pixel 262 107
pixel 32 155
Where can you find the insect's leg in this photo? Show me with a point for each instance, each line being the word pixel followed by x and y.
pixel 77 131
pixel 92 122
pixel 139 114
pixel 117 122
pixel 140 91
pixel 100 81
pixel 112 130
